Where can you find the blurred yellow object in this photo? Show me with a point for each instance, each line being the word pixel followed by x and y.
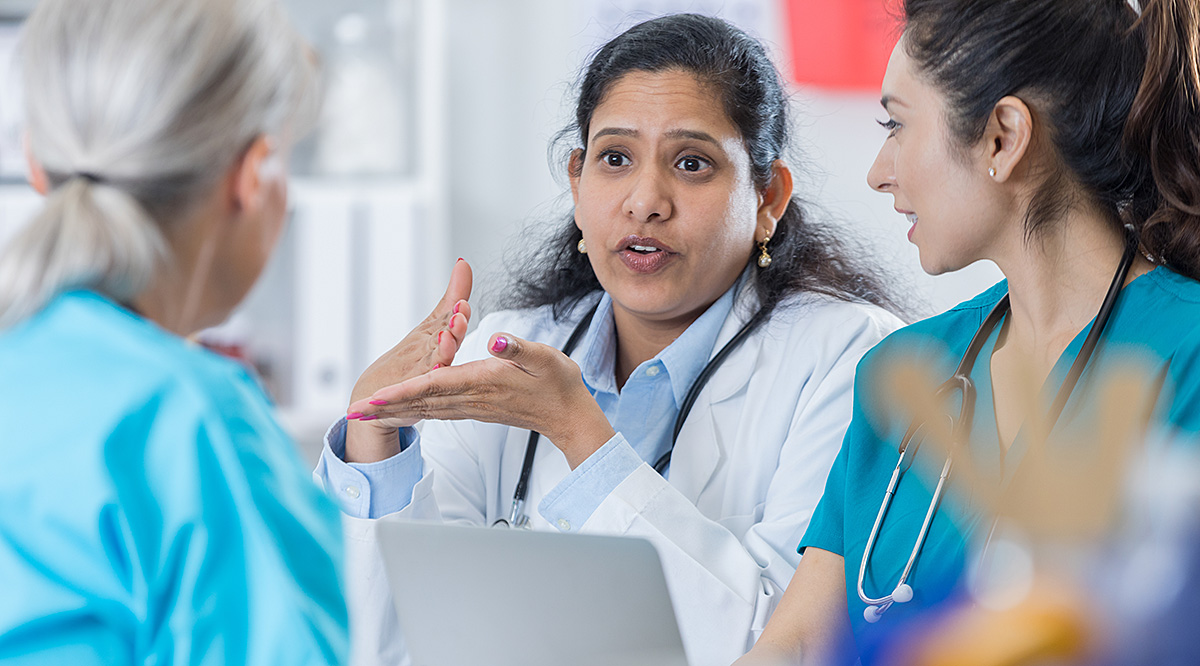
pixel 1046 628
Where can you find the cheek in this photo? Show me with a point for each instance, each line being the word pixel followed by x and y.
pixel 925 173
pixel 738 219
pixel 591 205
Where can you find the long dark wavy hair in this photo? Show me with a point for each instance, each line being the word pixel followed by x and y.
pixel 1119 92
pixel 806 256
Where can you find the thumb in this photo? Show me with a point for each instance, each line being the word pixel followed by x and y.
pixel 458 289
pixel 511 348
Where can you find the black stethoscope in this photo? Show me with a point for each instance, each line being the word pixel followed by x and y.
pixel 517 516
pixel 961 382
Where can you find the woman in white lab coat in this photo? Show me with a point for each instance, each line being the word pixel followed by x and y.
pixel 684 235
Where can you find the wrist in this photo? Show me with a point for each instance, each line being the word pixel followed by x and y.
pixel 584 434
pixel 369 443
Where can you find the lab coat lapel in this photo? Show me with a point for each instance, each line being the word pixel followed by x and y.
pixel 699 450
pixel 735 372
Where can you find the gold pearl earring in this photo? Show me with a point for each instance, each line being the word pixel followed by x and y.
pixel 992 172
pixel 764 259
pixel 581 246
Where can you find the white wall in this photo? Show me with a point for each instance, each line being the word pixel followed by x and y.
pixel 511 67
pixel 505 82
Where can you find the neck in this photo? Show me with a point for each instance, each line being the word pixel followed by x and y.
pixel 640 339
pixel 178 297
pixel 1057 282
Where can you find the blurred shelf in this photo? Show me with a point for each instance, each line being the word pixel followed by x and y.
pixel 15 10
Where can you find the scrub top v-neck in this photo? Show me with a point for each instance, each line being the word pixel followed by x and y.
pixel 1156 324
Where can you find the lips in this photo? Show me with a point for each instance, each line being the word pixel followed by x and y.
pixel 912 221
pixel 643 254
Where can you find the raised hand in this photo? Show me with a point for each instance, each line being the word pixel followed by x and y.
pixel 525 385
pixel 432 344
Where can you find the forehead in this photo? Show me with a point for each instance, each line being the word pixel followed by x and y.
pixel 899 77
pixel 654 102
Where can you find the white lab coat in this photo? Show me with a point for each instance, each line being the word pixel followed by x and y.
pixel 746 474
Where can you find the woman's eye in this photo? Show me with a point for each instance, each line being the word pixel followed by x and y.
pixel 614 159
pixel 692 164
pixel 890 125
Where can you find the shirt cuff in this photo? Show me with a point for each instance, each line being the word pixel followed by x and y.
pixel 569 505
pixel 370 490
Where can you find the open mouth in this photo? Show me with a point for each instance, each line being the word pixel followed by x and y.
pixel 644 255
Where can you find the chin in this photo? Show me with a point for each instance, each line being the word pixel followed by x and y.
pixel 934 263
pixel 647 303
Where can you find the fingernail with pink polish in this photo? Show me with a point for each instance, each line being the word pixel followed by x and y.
pixel 457 307
pixel 436 366
pixel 500 344
pixel 354 416
pixel 378 403
pixel 368 418
pixel 440 337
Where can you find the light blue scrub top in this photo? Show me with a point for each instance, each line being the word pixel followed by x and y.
pixel 1156 323
pixel 151 510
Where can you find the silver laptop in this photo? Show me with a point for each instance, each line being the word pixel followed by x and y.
pixel 477 596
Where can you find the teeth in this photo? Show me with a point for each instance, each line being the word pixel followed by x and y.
pixel 912 218
pixel 643 248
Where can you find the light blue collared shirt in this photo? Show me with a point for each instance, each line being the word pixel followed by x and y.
pixel 643 413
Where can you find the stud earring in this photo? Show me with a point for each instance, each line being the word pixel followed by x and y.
pixel 992 172
pixel 764 259
pixel 581 246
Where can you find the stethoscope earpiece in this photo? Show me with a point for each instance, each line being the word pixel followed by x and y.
pixel 903 593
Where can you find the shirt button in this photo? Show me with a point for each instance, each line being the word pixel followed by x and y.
pixel 652 371
pixel 353 492
pixel 564 524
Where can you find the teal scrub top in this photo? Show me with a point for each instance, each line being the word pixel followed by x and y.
pixel 151 510
pixel 1156 323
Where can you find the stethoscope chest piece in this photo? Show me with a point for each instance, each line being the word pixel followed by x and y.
pixel 901 595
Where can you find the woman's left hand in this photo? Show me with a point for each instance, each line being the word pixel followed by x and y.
pixel 526 385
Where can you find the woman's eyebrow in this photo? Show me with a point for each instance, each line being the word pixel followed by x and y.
pixel 670 134
pixel 615 131
pixel 692 134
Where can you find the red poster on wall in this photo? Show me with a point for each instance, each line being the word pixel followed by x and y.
pixel 842 44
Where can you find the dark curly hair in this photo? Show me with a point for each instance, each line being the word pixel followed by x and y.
pixel 806 256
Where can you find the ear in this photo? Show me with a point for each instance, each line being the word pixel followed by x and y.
pixel 246 176
pixel 1007 137
pixel 773 200
pixel 574 169
pixel 37 175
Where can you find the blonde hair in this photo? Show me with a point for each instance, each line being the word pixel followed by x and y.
pixel 135 109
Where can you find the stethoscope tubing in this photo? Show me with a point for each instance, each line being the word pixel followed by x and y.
pixel 961 380
pixel 517 516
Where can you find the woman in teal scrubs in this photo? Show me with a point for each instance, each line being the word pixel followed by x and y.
pixel 1070 163
pixel 152 509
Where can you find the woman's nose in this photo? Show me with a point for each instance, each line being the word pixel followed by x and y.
pixel 882 174
pixel 649 197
